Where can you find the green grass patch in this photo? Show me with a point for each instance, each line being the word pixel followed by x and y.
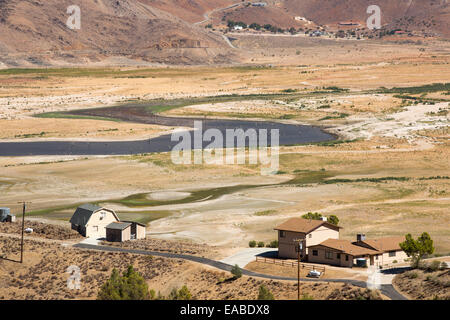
pixel 383 179
pixel 338 116
pixel 65 115
pixel 265 213
pixel 435 87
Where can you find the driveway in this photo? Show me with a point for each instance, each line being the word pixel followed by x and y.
pixel 244 257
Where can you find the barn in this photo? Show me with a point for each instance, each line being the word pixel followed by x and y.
pixel 90 220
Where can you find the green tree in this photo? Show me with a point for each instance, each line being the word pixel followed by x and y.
pixel 333 219
pixel 182 294
pixel 130 286
pixel 312 216
pixel 252 243
pixel 417 249
pixel 236 271
pixel 264 293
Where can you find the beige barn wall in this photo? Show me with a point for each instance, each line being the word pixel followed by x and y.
pixel 101 224
pixel 140 232
pixel 126 234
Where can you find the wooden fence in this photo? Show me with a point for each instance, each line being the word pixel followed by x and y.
pixel 291 263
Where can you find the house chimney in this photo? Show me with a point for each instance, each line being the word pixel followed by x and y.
pixel 324 218
pixel 360 237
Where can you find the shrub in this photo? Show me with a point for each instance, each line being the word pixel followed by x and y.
pixel 412 275
pixel 252 244
pixel 444 265
pixel 273 244
pixel 265 294
pixel 236 271
pixel 312 215
pixel 182 294
pixel 130 286
pixel 333 219
pixel 434 266
pixel 306 296
pixel 260 244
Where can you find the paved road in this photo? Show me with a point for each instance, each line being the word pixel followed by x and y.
pixel 387 289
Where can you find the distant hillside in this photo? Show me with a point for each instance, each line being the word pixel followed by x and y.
pixel 188 10
pixel 432 16
pixel 420 15
pixel 34 32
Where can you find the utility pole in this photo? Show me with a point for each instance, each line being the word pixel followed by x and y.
pixel 298 248
pixel 24 208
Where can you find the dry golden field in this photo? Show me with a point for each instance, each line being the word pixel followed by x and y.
pixel 392 152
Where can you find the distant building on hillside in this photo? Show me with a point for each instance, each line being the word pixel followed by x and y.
pixel 348 23
pixel 259 4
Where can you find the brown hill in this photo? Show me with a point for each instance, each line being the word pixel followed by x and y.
pixel 430 16
pixel 34 32
pixel 415 15
pixel 189 10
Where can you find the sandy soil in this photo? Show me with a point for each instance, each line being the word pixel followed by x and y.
pixel 424 285
pixel 43 275
pixel 289 271
pixel 34 129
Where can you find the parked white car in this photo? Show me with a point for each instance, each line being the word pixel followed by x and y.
pixel 314 274
pixel 28 230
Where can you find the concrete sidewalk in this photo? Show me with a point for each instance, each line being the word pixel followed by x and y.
pixel 244 257
pixel 92 241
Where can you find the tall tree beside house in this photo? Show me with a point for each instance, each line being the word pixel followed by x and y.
pixel 417 249
pixel 130 286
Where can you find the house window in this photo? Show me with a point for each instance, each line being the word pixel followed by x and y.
pixel 328 255
pixel 102 215
pixel 392 253
pixel 338 256
pixel 346 257
pixel 282 234
pixel 310 235
pixel 315 253
pixel 376 257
